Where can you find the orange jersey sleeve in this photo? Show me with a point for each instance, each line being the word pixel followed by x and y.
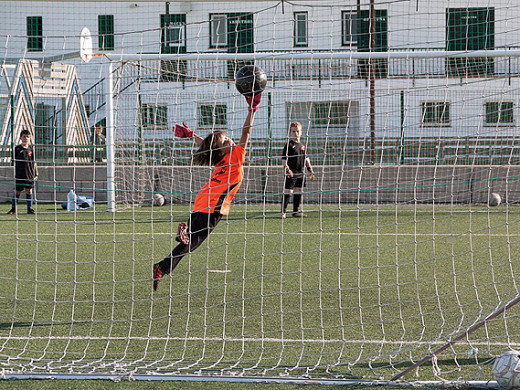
pixel 219 191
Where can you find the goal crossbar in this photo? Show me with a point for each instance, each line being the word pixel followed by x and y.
pixel 344 55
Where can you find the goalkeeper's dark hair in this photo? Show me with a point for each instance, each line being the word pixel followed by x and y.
pixel 210 150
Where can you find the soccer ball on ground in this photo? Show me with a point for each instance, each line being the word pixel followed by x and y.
pixel 494 199
pixel 250 80
pixel 158 200
pixel 506 370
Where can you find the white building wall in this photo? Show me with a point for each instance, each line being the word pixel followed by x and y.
pixel 411 24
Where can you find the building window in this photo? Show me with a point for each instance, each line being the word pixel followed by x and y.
pixel 106 32
pixel 435 114
pixel 327 118
pixel 34 33
pixel 218 33
pixel 301 27
pixel 173 33
pixel 470 29
pixel 348 28
pixel 499 114
pixel 173 70
pixel 331 113
pixel 154 116
pixel 212 116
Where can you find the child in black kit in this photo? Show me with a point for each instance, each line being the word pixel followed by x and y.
pixel 294 161
pixel 25 171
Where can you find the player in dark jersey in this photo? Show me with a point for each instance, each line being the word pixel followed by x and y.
pixel 294 161
pixel 99 142
pixel 214 199
pixel 25 172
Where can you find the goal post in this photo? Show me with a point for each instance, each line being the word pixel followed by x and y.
pixel 110 137
pixel 407 140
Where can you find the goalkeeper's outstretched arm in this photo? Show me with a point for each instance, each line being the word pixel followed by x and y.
pixel 252 102
pixel 246 129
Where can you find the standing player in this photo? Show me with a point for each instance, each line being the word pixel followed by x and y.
pixel 99 143
pixel 214 199
pixel 25 172
pixel 294 161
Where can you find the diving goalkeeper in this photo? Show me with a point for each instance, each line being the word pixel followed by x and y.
pixel 214 199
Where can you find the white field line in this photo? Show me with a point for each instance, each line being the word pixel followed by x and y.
pixel 252 339
pixel 12 235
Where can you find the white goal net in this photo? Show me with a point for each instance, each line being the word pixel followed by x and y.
pixel 403 266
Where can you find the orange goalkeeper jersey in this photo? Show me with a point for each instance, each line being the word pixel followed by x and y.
pixel 219 191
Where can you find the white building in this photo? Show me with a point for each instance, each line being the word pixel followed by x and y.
pixel 420 97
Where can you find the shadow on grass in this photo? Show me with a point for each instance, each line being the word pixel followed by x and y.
pixel 439 362
pixel 27 324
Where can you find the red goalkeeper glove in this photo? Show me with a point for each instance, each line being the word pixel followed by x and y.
pixel 253 101
pixel 183 131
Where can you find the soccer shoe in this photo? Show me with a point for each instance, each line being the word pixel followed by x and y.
pixel 182 234
pixel 157 275
pixel 31 211
pixel 299 214
pixel 284 215
pixel 12 211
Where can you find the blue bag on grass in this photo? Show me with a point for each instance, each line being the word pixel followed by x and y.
pixel 77 202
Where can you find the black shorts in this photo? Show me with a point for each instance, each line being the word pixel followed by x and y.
pixel 200 226
pixel 294 182
pixel 24 184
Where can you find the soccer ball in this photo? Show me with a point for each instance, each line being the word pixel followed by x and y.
pixel 506 370
pixel 250 80
pixel 494 199
pixel 158 200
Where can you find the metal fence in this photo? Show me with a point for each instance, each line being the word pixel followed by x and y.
pixel 322 151
pixel 320 69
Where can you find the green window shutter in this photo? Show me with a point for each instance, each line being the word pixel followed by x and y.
pixel 212 115
pixel 173 41
pixel 499 113
pixel 381 30
pixel 507 113
pixel 240 33
pixel 34 33
pixel 240 39
pixel 106 32
pixel 470 29
pixel 381 40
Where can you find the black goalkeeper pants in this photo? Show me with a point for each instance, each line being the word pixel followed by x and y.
pixel 200 226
